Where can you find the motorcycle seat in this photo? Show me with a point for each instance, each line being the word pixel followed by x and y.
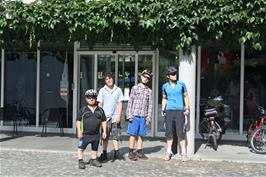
pixel 210 112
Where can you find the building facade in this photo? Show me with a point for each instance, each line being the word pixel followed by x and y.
pixel 46 84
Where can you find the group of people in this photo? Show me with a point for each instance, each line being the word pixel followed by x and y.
pixel 101 117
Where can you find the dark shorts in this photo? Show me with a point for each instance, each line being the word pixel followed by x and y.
pixel 94 140
pixel 174 121
pixel 113 131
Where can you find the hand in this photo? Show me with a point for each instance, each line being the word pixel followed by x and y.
pixel 80 134
pixel 129 119
pixel 148 121
pixel 186 111
pixel 118 119
pixel 163 113
pixel 104 135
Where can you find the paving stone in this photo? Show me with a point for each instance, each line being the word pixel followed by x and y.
pixel 37 163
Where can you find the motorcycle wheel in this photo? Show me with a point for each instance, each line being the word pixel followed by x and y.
pixel 218 132
pixel 214 141
pixel 204 128
pixel 258 140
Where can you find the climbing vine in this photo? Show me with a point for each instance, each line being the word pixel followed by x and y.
pixel 159 23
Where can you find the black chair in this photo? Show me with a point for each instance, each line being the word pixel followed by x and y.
pixel 10 114
pixel 52 115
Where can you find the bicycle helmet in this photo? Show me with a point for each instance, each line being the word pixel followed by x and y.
pixel 171 70
pixel 91 93
pixel 147 73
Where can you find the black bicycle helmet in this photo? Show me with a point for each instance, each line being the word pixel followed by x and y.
pixel 91 93
pixel 147 73
pixel 171 70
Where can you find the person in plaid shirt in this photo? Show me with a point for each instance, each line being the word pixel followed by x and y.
pixel 139 112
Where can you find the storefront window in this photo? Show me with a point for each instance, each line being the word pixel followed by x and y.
pixel 56 78
pixel 220 76
pixel 106 63
pixel 254 85
pixel 20 87
pixel 166 59
pixel 126 80
pixel 86 76
pixel 145 62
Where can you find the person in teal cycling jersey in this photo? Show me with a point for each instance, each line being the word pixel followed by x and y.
pixel 175 105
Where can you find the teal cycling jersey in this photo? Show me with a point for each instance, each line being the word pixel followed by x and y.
pixel 174 95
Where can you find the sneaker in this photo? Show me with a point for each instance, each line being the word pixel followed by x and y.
pixel 142 156
pixel 95 163
pixel 81 164
pixel 168 156
pixel 117 156
pixel 132 156
pixel 184 158
pixel 103 157
pixel 88 162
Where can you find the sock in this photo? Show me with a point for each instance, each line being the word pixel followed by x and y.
pixel 116 151
pixel 104 152
pixel 139 150
pixel 80 160
pixel 131 150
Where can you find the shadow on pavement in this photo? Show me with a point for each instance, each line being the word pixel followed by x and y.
pixel 7 137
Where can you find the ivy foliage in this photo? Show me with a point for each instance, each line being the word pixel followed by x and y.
pixel 159 23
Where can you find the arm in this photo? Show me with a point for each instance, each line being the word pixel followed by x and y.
pixel 149 108
pixel 104 128
pixel 129 105
pixel 164 100
pixel 100 104
pixel 80 135
pixel 119 108
pixel 100 98
pixel 186 100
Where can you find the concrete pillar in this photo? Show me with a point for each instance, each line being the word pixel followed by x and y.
pixel 187 74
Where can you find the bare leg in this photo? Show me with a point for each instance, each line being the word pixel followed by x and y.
pixel 131 142
pixel 140 142
pixel 93 154
pixel 116 144
pixel 182 143
pixel 80 153
pixel 169 143
pixel 105 144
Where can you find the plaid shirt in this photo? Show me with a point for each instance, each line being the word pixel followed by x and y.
pixel 140 102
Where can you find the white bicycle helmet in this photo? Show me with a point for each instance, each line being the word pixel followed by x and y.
pixel 91 93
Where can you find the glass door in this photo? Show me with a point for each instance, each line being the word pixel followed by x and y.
pixel 87 73
pixel 126 80
pixel 125 66
pixel 145 61
pixel 105 63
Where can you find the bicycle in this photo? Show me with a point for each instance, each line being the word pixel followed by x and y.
pixel 256 135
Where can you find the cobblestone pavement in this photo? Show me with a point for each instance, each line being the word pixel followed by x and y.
pixel 38 163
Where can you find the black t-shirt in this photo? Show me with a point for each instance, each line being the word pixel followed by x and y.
pixel 91 120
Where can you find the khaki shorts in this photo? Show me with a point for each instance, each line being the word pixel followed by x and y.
pixel 113 131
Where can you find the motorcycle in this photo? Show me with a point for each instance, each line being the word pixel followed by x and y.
pixel 216 118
